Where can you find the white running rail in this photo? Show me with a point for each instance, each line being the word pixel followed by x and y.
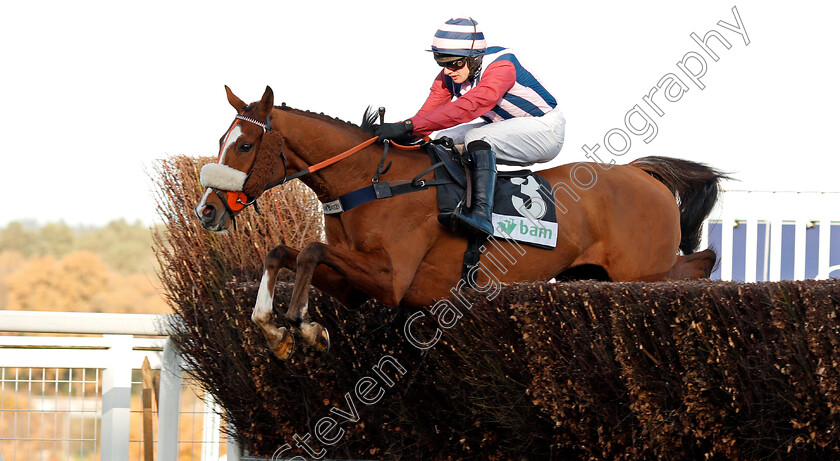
pixel 116 350
pixel 765 213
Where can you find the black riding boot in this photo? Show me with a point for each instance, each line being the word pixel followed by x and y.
pixel 478 218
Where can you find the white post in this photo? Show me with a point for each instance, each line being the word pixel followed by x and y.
pixel 799 248
pixel 210 429
pixel 233 451
pixel 776 249
pixel 766 275
pixel 116 399
pixel 751 258
pixel 727 225
pixel 170 402
pixel 824 248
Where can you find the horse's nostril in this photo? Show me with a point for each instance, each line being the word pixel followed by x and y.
pixel 205 213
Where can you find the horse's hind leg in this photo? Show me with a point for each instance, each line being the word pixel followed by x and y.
pixel 694 266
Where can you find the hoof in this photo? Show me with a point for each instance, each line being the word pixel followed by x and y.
pixel 284 345
pixel 317 336
pixel 322 342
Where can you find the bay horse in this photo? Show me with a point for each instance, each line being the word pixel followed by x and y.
pixel 628 225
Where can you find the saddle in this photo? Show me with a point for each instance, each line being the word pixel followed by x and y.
pixel 522 211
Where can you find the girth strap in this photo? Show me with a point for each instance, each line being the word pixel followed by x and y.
pixel 376 191
pixel 472 257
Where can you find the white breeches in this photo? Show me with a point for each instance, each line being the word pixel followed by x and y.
pixel 517 141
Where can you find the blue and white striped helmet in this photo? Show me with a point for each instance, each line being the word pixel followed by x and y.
pixel 459 37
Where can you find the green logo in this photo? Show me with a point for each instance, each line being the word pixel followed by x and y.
pixel 507 226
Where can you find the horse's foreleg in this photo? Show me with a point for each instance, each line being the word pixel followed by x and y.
pixel 298 313
pixel 280 340
pixel 368 271
pixel 324 278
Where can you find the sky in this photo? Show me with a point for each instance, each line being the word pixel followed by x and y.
pixel 95 92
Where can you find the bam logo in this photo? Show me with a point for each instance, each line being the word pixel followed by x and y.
pixel 536 208
pixel 539 232
pixel 542 233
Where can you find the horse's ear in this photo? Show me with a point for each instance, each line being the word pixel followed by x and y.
pixel 234 100
pixel 267 101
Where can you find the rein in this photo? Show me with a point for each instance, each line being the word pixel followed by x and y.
pixel 319 165
pixel 375 191
pixel 336 159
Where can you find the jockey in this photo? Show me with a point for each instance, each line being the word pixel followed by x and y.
pixel 519 122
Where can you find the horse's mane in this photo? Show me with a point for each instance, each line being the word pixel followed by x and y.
pixel 368 119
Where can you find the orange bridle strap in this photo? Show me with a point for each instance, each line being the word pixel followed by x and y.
pixel 340 157
pixel 332 161
pixel 412 147
pixel 348 153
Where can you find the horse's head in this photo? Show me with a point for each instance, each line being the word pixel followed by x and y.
pixel 266 146
pixel 233 183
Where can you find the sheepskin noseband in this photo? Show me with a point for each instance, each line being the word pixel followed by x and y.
pixel 222 177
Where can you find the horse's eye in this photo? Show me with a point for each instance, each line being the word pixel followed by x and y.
pixel 244 147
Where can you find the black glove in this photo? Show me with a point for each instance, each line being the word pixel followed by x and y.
pixel 393 130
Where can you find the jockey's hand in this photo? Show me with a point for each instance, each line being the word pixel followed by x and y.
pixel 393 130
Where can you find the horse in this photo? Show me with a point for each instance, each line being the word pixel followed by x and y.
pixel 635 222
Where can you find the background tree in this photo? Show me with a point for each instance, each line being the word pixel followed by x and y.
pixel 10 262
pixel 56 239
pixel 125 247
pixel 100 269
pixel 45 283
pixel 15 237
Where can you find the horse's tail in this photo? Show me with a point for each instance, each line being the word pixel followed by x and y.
pixel 694 185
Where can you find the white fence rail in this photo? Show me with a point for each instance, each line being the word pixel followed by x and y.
pixel 775 228
pixel 116 351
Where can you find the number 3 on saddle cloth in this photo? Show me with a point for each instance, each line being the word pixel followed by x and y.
pixel 522 210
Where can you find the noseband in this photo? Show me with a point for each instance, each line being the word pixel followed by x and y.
pixel 228 183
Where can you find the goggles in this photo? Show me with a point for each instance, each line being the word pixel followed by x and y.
pixel 446 61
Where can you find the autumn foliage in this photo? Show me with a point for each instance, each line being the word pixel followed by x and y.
pixel 58 268
pixel 584 370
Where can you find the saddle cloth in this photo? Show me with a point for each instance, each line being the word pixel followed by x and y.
pixel 521 211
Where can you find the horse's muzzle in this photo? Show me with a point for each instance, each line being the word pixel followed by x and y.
pixel 211 217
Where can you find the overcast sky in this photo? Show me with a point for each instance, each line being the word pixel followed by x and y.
pixel 95 92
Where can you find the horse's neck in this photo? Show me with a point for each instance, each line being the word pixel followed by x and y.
pixel 315 139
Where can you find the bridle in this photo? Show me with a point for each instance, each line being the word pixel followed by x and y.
pixel 236 200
